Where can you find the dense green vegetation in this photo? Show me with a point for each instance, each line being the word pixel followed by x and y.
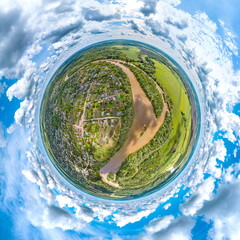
pixel 146 163
pixel 99 93
pixel 92 88
pixel 149 87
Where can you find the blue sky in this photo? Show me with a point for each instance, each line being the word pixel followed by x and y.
pixel 227 12
pixel 8 108
pixel 37 36
pixel 218 10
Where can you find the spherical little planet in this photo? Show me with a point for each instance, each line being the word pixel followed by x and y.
pixel 119 119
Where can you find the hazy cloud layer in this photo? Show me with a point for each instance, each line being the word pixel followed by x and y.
pixel 3 141
pixel 170 229
pixel 57 34
pixel 96 15
pixel 149 7
pixel 14 37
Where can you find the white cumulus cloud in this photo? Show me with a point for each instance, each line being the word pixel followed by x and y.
pixel 28 27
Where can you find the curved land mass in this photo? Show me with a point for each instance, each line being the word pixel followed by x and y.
pixel 144 128
pixel 119 120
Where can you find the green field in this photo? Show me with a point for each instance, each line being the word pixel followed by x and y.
pixel 87 111
pixel 181 112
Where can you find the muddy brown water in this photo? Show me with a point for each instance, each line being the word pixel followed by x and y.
pixel 144 119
